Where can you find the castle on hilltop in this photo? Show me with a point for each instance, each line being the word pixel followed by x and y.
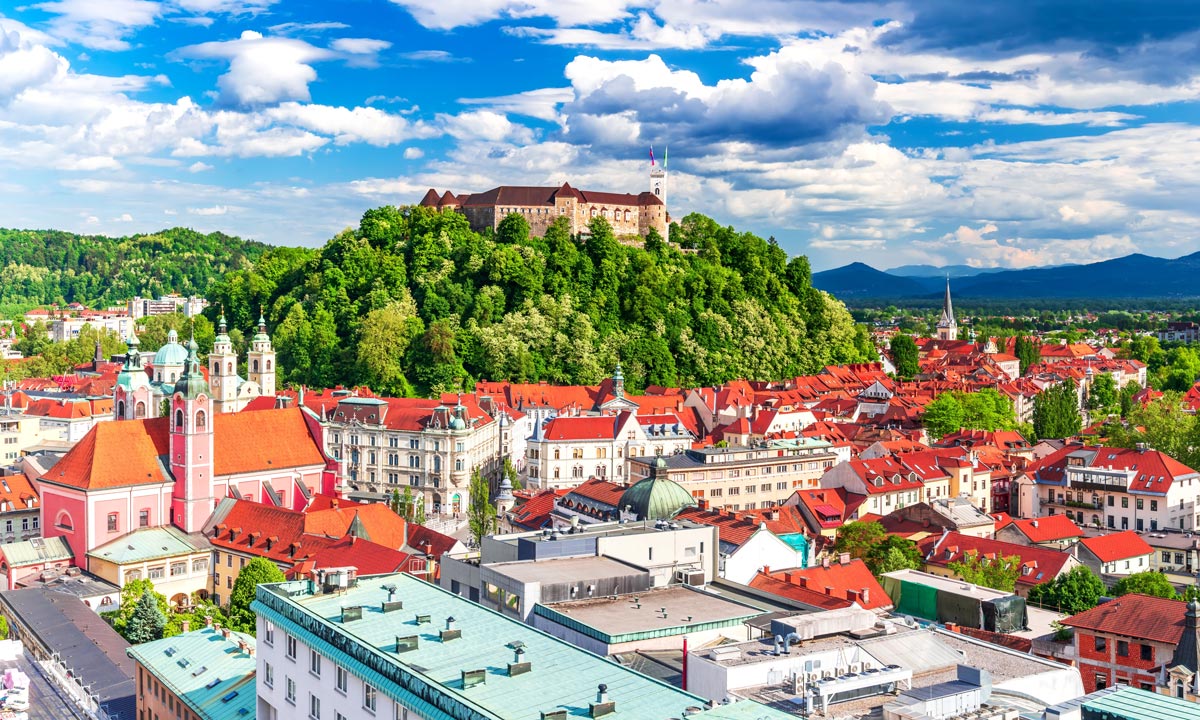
pixel 628 214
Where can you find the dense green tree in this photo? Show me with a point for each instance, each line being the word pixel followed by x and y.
pixel 254 573
pixel 481 513
pixel 1125 397
pixel 858 538
pixel 1143 347
pixel 1102 395
pixel 386 334
pixel 1162 424
pixel 1027 352
pixel 905 355
pixel 1056 411
pixel 1074 591
pixel 943 416
pixel 146 622
pixel 1145 583
pixel 999 573
pixel 893 553
pixel 152 331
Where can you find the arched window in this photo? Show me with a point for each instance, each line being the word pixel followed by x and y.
pixel 178 419
pixel 268 366
pixel 139 410
pixel 604 213
pixel 255 364
pixel 437 463
pixel 200 420
pixel 555 473
pixel 120 408
pixel 63 521
pixel 626 216
pixel 229 368
pixel 593 212
pixel 556 453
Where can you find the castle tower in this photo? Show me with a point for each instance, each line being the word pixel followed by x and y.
pixel 947 327
pixel 191 446
pixel 222 370
pixel 261 359
pixel 658 185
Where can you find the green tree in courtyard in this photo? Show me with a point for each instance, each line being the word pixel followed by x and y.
pixel 481 513
pixel 253 574
pixel 1056 411
pixel 858 538
pixel 1145 583
pixel 999 573
pixel 1074 591
pixel 1102 395
pixel 905 355
pixel 146 622
pixel 943 416
pixel 893 553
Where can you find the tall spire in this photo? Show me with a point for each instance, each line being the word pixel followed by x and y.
pixel 947 326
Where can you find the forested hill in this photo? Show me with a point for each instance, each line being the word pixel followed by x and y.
pixel 413 301
pixel 51 266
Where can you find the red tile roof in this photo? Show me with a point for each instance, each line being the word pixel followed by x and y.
pixel 1135 616
pixel 581 428
pixel 18 491
pixel 843 583
pixel 1048 528
pixel 599 490
pixel 127 452
pixel 534 513
pixel 369 557
pixel 1117 546
pixel 1038 564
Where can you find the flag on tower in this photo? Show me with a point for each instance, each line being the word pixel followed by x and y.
pixel 652 156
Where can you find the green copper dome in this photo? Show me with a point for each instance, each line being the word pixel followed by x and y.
pixel 172 353
pixel 656 498
pixel 261 335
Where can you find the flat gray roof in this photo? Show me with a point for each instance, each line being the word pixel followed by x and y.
pixel 684 607
pixel 564 569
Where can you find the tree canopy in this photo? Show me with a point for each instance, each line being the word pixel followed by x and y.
pixel 414 301
pixel 39 267
pixel 254 573
pixel 905 355
pixel 147 621
pixel 1056 411
pixel 999 573
pixel 985 409
pixel 1074 591
pixel 481 513
pixel 858 538
pixel 1145 583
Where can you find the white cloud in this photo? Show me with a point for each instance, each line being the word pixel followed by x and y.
pixel 24 65
pixel 225 7
pixel 262 70
pixel 346 125
pixel 100 25
pixel 124 218
pixel 208 211
pixel 413 153
pixel 448 14
pixel 360 46
pixel 199 167
pixel 542 104
pixel 484 125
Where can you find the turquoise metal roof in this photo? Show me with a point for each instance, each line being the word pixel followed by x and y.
pixel 146 544
pixel 429 679
pixel 36 551
pixel 1129 703
pixel 797 542
pixel 189 664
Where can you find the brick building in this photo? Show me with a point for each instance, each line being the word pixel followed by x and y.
pixel 1127 640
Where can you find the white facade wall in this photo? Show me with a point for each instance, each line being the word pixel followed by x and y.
pixel 663 552
pixel 275 668
pixel 763 549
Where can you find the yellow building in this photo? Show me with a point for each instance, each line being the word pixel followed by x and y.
pixel 176 562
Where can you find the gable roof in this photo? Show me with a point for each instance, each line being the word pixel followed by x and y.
pixel 604 427
pixel 534 513
pixel 1136 616
pixel 1047 529
pixel 835 586
pixel 1117 546
pixel 133 452
pixel 1038 564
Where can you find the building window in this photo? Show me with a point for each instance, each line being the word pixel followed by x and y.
pixel 1147 652
pixel 1141 504
pixel 314 707
pixel 268 675
pixel 200 565
pixel 291 647
pixel 1101 644
pixel 341 679
pixel 178 568
pixel 368 697
pixel 143 518
pixel 269 633
pixel 290 693
pixel 1125 502
pixel 314 663
pixel 1122 648
pixel 156 573
pixel 112 522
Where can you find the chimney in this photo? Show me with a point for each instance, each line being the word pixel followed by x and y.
pixel 766 570
pixel 828 589
pixel 803 581
pixel 208 621
pixel 825 562
pixel 865 594
pixel 702 504
pixel 185 626
pixel 843 558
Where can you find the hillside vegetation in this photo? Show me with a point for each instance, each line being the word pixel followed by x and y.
pixel 413 302
pixel 51 266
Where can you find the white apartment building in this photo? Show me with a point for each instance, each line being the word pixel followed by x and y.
pixel 1119 488
pixel 64 329
pixel 741 477
pixel 431 446
pixel 567 450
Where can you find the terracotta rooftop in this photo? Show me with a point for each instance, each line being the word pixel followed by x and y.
pixel 1117 546
pixel 1136 616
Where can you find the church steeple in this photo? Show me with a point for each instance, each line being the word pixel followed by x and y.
pixel 618 382
pixel 947 327
pixel 261 359
pixel 222 369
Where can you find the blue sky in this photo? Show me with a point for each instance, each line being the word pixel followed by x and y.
pixel 995 134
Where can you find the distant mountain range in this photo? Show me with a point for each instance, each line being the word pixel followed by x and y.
pixel 1132 276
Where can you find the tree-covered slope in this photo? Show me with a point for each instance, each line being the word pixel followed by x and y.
pixel 52 266
pixel 414 301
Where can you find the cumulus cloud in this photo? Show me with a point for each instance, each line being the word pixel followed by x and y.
pixel 787 102
pixel 262 70
pixel 351 125
pixel 100 25
pixel 413 153
pixel 214 210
